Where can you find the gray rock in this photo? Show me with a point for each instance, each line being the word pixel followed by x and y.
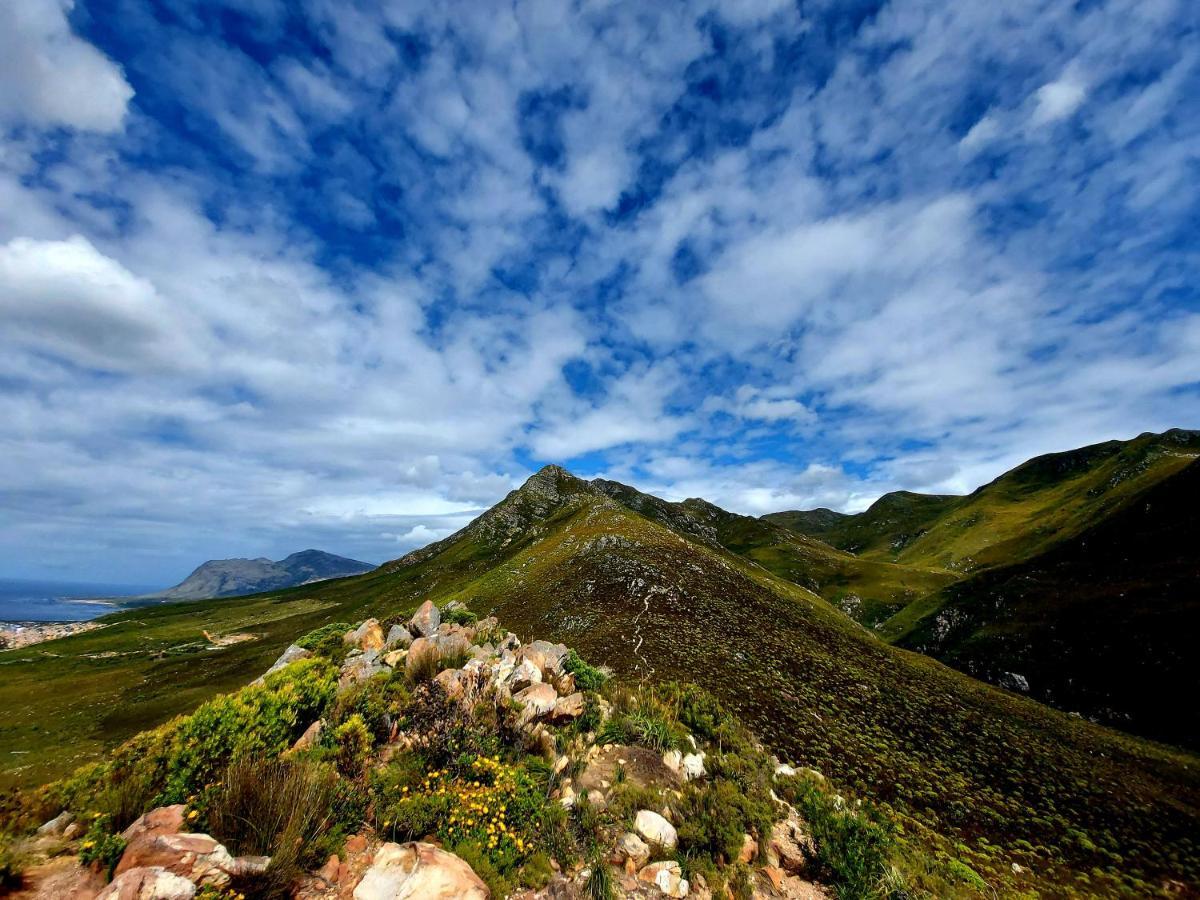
pixel 398 637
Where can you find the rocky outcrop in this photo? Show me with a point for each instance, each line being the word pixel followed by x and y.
pixel 152 883
pixel 419 871
pixel 199 858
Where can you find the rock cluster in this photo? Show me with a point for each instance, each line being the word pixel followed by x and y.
pixel 532 683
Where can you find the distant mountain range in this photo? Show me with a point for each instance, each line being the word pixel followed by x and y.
pixel 233 577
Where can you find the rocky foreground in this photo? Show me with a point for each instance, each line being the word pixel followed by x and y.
pixel 495 768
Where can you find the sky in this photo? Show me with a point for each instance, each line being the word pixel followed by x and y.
pixel 337 274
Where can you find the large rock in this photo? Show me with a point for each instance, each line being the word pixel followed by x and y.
pixel 421 648
pixel 536 701
pixel 361 668
pixel 426 619
pixel 196 857
pixel 692 766
pixel 419 871
pixel 292 654
pixel 58 824
pixel 164 820
pixel 308 740
pixel 151 883
pixel 634 848
pixel 667 876
pixel 655 829
pixel 398 638
pixel 367 636
pixel 523 675
pixel 569 707
pixel 553 656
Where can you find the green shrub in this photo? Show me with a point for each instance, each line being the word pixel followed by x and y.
pixel 327 641
pixel 125 798
pixel 379 701
pixel 587 677
pixel 714 816
pixel 459 615
pixel 101 845
pixel 352 746
pixel 852 844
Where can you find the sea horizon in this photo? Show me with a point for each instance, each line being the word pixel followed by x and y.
pixel 48 600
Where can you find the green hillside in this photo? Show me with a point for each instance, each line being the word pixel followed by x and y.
pixel 1104 622
pixel 978 775
pixel 1072 577
pixel 1023 512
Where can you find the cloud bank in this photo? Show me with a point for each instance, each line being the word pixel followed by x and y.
pixel 341 275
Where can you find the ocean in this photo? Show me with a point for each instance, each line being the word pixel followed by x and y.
pixel 58 601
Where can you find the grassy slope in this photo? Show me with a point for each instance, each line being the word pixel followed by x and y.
pixel 868 590
pixel 1023 512
pixel 1006 778
pixel 1103 623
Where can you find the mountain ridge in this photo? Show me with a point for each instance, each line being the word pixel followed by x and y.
pixel 240 575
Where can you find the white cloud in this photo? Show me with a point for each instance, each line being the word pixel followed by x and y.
pixel 67 298
pixel 48 76
pixel 1057 100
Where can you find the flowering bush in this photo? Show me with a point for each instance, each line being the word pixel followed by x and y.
pixel 486 810
pixel 101 845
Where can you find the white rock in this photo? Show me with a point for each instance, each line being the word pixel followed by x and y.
pixel 655 829
pixel 667 876
pixel 419 871
pixel 783 770
pixel 693 766
pixel 673 759
pixel 634 848
pixel 153 883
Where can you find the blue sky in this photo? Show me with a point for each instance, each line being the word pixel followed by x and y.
pixel 336 274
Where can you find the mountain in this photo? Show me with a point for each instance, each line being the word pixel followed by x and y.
pixel 234 577
pixel 976 775
pixel 1072 577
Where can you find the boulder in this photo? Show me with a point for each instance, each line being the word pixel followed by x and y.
pixel 667 876
pixel 393 658
pixel 58 824
pixel 164 820
pixel 634 848
pixel 367 636
pixel 692 766
pixel 425 620
pixel 309 739
pixel 149 883
pixel 536 701
pixel 452 682
pixel 421 648
pixel 673 760
pixel 419 871
pixel 523 675
pixel 360 668
pixel 398 637
pixel 292 654
pixel 196 857
pixel 553 656
pixel 655 829
pixel 569 707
